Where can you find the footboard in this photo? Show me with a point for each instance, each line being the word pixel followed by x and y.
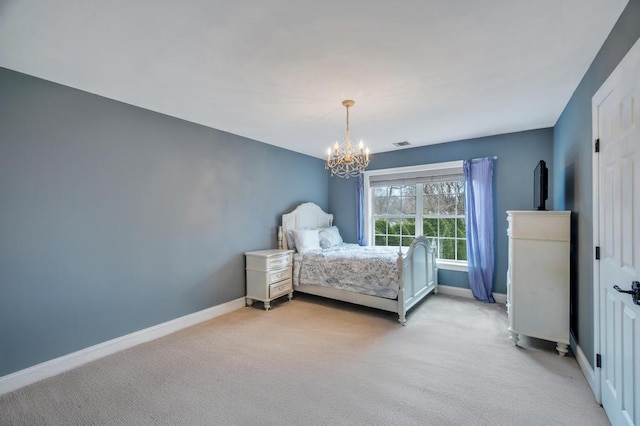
pixel 419 275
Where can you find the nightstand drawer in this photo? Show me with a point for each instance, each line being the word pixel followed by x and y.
pixel 268 260
pixel 280 288
pixel 280 275
pixel 278 262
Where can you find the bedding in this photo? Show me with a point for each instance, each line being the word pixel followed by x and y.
pixel 365 270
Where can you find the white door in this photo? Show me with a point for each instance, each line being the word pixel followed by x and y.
pixel 617 105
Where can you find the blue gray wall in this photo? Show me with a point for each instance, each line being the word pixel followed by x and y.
pixel 518 154
pixel 572 177
pixel 114 218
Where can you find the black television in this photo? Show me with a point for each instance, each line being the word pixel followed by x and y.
pixel 540 185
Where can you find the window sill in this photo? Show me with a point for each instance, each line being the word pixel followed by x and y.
pixel 452 265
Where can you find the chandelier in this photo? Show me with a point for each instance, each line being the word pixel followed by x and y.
pixel 344 160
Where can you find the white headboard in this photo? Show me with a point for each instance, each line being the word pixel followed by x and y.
pixel 305 216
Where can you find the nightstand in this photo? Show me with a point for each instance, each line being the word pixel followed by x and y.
pixel 269 276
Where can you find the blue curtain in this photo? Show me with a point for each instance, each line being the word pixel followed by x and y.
pixel 360 209
pixel 478 201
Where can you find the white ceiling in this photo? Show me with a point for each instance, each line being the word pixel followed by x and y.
pixel 424 71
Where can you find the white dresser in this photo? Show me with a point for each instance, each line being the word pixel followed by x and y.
pixel 268 275
pixel 538 275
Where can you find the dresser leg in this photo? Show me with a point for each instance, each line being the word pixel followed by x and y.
pixel 290 296
pixel 562 349
pixel 249 301
pixel 267 306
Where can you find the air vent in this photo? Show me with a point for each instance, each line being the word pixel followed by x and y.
pixel 401 144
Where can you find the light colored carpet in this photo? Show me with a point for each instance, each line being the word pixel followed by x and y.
pixel 312 361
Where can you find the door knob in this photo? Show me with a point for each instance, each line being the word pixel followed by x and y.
pixel 634 292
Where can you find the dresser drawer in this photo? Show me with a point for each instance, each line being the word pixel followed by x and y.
pixel 539 225
pixel 280 275
pixel 280 288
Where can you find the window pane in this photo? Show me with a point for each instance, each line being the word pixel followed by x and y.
pixel 430 206
pixel 447 227
pixel 381 240
pixel 430 189
pixel 393 228
pixel 460 198
pixel 462 249
pixel 380 191
pixel 409 205
pixel 381 226
pixel 393 241
pixel 447 249
pixel 409 227
pixel 380 205
pixel 430 227
pixel 406 241
pixel 445 188
pixel 461 232
pixel 409 191
pixel 395 205
pixel 395 191
pixel 447 204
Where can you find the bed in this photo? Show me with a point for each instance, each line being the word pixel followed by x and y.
pixel 377 277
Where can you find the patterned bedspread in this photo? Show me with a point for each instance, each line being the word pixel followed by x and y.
pixel 365 270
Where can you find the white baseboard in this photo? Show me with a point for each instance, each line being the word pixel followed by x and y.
pixel 466 292
pixel 67 362
pixel 588 372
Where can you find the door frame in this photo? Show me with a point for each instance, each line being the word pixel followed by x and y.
pixel 612 81
pixel 597 98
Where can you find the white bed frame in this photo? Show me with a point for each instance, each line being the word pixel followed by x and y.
pixel 418 271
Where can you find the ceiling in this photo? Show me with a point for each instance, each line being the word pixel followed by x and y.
pixel 422 71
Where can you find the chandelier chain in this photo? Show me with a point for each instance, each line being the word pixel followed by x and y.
pixel 347 118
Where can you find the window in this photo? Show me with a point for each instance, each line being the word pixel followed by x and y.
pixel 425 200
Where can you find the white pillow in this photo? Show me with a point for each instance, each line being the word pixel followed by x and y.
pixel 330 237
pixel 291 242
pixel 306 239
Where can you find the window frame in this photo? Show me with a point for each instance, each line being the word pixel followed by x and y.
pixel 434 169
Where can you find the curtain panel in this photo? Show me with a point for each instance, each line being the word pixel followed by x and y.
pixel 478 176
